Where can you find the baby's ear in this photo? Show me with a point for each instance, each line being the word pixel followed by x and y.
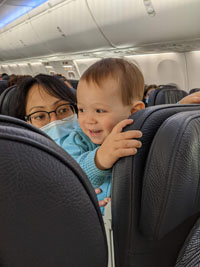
pixel 137 106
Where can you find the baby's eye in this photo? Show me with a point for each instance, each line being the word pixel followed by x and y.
pixel 100 110
pixel 64 110
pixel 81 110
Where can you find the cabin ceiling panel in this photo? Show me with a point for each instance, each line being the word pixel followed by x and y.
pixel 25 69
pixel 58 66
pixel 37 68
pixel 127 23
pixel 84 64
pixel 14 68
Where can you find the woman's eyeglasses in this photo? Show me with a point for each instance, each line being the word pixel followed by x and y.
pixel 41 118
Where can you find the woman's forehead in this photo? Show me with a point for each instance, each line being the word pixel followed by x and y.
pixel 38 96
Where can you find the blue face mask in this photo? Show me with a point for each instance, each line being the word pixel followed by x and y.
pixel 146 100
pixel 59 130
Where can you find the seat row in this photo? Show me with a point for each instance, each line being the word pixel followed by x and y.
pixel 49 211
pixel 167 94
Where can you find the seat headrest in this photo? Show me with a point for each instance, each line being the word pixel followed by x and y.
pixel 7 102
pixel 49 211
pixel 194 90
pixel 74 83
pixel 3 85
pixel 165 95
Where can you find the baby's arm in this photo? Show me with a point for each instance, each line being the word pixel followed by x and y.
pixel 117 144
pixel 84 154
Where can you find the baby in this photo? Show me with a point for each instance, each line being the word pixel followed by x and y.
pixel 108 93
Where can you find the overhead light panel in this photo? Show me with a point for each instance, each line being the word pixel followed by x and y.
pixel 19 11
pixel 67 66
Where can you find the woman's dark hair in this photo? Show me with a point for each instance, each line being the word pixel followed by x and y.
pixel 50 84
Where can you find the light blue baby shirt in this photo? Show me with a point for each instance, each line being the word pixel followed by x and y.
pixel 80 147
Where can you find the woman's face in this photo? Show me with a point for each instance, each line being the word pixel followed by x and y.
pixel 39 100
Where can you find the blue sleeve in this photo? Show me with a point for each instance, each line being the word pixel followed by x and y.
pixel 84 153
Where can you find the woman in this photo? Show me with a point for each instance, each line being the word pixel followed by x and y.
pixel 47 103
pixel 147 92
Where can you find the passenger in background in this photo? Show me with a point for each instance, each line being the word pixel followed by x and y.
pixel 148 89
pixel 15 79
pixel 108 93
pixel 47 103
pixel 191 99
pixel 4 77
pixel 61 77
pixel 3 86
pixel 3 82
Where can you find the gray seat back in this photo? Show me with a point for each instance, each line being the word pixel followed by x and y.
pixel 165 95
pixel 49 211
pixel 190 252
pixel 155 194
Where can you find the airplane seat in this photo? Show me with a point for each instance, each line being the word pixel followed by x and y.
pixel 3 84
pixel 194 90
pixel 74 83
pixel 49 211
pixel 7 102
pixel 190 252
pixel 155 192
pixel 165 95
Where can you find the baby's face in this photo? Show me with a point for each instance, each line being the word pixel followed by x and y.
pixel 100 108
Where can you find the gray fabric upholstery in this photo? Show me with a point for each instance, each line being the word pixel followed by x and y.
pixel 8 102
pixel 49 211
pixel 165 95
pixel 189 255
pixel 153 192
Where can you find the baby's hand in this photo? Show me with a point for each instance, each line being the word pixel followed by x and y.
pixel 117 144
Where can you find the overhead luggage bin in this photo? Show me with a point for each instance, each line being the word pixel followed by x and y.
pixel 130 23
pixel 64 28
